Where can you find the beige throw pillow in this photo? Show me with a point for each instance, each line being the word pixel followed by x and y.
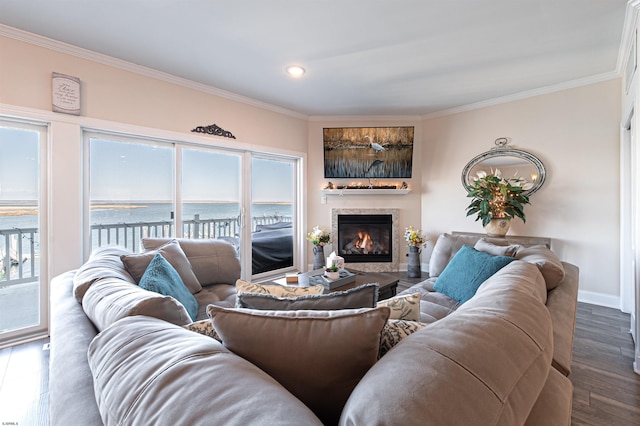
pixel 549 264
pixel 137 264
pixel 406 307
pixel 319 356
pixel 496 249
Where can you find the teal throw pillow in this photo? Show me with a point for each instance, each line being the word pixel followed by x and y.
pixel 466 271
pixel 161 277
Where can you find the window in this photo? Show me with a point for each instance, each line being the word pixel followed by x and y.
pixel 131 191
pixel 23 286
pixel 142 188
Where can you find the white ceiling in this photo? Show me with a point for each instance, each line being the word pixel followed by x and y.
pixel 363 57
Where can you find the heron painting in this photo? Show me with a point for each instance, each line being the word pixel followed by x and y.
pixel 368 152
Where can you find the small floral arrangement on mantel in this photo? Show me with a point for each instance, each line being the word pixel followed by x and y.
pixel 415 238
pixel 319 237
pixel 497 197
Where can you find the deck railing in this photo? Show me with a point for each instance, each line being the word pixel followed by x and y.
pixel 19 255
pixel 19 248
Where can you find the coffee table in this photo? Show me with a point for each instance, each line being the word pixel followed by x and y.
pixel 387 285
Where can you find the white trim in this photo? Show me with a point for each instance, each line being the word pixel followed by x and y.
pixel 97 125
pixel 598 78
pixel 628 29
pixel 352 118
pixel 600 299
pixel 79 52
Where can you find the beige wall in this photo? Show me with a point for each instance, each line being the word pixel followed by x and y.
pixel 113 94
pixel 574 132
pixel 320 214
pixel 576 135
pixel 119 100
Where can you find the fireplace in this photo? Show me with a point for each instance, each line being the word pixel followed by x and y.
pixel 367 239
pixel 364 237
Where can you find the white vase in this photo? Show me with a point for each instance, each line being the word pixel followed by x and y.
pixel 333 275
pixel 498 227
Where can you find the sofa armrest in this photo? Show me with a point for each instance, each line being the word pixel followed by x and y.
pixel 554 403
pixel 71 400
pixel 562 303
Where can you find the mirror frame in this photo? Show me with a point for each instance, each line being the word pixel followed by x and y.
pixel 502 151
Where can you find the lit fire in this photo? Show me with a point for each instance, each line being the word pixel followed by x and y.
pixel 364 242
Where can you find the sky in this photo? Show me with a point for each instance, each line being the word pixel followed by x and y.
pixel 121 171
pixel 18 164
pixel 141 172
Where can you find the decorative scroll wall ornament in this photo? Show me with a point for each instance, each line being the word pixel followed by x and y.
pixel 214 130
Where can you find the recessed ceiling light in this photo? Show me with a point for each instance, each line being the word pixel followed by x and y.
pixel 295 70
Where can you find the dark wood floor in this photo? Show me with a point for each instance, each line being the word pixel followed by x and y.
pixel 606 390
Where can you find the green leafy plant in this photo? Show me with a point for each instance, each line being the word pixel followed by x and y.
pixel 495 197
pixel 332 268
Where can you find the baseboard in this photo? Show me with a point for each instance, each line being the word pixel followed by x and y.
pixel 600 299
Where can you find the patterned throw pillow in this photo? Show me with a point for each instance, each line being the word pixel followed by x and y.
pixel 406 307
pixel 203 327
pixel 394 331
pixel 277 290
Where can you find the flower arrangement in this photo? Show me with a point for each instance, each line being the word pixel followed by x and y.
pixel 496 197
pixel 319 237
pixel 414 237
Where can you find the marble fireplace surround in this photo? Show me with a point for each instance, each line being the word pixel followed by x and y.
pixel 392 266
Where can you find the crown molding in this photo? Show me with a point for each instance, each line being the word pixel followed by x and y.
pixel 352 118
pixel 526 94
pixel 633 8
pixel 79 52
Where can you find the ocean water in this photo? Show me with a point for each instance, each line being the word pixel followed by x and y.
pixel 111 213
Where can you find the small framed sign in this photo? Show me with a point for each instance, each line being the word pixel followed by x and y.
pixel 65 91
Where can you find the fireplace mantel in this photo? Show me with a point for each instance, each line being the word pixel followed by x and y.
pixel 342 192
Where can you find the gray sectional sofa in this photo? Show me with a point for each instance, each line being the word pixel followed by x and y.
pixel 120 354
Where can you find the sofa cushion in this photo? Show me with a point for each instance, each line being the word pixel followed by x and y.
pixel 278 290
pixel 220 294
pixel 394 331
pixel 403 307
pixel 162 278
pixel 364 296
pixel 137 263
pixel 104 262
pixel 213 261
pixel 528 278
pixel 110 299
pixel 485 364
pixel 319 356
pixel 547 261
pixel 466 271
pixel 494 249
pixel 149 372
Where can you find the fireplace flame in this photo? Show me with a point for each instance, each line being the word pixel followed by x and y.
pixel 365 242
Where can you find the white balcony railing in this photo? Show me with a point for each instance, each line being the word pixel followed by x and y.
pixel 19 248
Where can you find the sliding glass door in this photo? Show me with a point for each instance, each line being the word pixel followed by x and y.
pixel 22 284
pixel 211 195
pixel 131 191
pixel 244 198
pixel 273 183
